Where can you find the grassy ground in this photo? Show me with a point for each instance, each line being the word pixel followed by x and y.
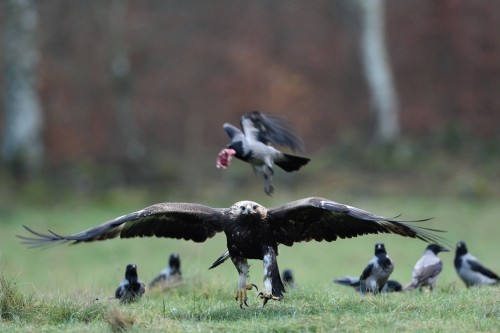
pixel 67 288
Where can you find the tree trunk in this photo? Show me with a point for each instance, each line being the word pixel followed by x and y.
pixel 378 71
pixel 134 149
pixel 22 148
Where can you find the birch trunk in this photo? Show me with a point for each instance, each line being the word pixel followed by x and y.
pixel 378 71
pixel 22 147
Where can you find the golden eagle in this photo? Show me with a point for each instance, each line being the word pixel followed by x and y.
pixel 252 231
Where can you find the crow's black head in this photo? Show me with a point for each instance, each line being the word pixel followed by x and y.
pixel 174 261
pixel 461 248
pixel 131 272
pixel 380 248
pixel 288 276
pixel 435 248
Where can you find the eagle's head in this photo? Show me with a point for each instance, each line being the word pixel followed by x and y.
pixel 248 209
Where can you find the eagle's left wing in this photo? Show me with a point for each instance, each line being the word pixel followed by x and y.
pixel 322 219
pixel 172 220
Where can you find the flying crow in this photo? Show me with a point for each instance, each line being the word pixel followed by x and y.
pixel 171 275
pixel 377 272
pixel 131 288
pixel 427 268
pixel 252 231
pixel 254 145
pixel 470 269
pixel 354 281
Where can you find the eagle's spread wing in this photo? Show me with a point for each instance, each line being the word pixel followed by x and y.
pixel 172 220
pixel 270 129
pixel 323 219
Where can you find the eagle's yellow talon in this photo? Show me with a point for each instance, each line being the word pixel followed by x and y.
pixel 266 297
pixel 241 295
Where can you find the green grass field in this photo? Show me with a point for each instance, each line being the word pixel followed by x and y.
pixel 67 288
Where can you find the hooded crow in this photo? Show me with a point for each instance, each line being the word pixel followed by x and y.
pixel 354 281
pixel 470 270
pixel 253 144
pixel 289 279
pixel 171 275
pixel 377 273
pixel 427 268
pixel 131 288
pixel 252 232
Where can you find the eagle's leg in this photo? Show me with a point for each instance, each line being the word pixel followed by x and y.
pixel 242 267
pixel 273 286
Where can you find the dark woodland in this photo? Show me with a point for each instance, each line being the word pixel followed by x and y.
pixel 143 87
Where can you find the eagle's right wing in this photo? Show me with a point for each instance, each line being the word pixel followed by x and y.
pixel 188 221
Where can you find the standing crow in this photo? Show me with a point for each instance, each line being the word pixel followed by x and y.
pixel 288 279
pixel 354 281
pixel 470 269
pixel 377 272
pixel 131 288
pixel 253 145
pixel 427 268
pixel 170 275
pixel 252 231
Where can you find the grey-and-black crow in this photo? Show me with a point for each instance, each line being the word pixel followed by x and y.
pixel 470 270
pixel 171 275
pixel 377 272
pixel 288 278
pixel 131 288
pixel 252 232
pixel 253 144
pixel 354 281
pixel 427 268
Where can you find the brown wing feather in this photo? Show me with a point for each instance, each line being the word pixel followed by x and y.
pixel 322 219
pixel 172 220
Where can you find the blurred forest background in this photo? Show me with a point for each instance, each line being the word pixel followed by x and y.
pixel 396 96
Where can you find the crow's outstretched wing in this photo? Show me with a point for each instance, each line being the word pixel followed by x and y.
pixel 233 132
pixel 347 280
pixel 270 129
pixel 322 219
pixel 172 220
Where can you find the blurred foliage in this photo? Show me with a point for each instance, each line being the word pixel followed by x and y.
pixel 448 163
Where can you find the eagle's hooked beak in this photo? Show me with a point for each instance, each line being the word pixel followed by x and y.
pixel 247 209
